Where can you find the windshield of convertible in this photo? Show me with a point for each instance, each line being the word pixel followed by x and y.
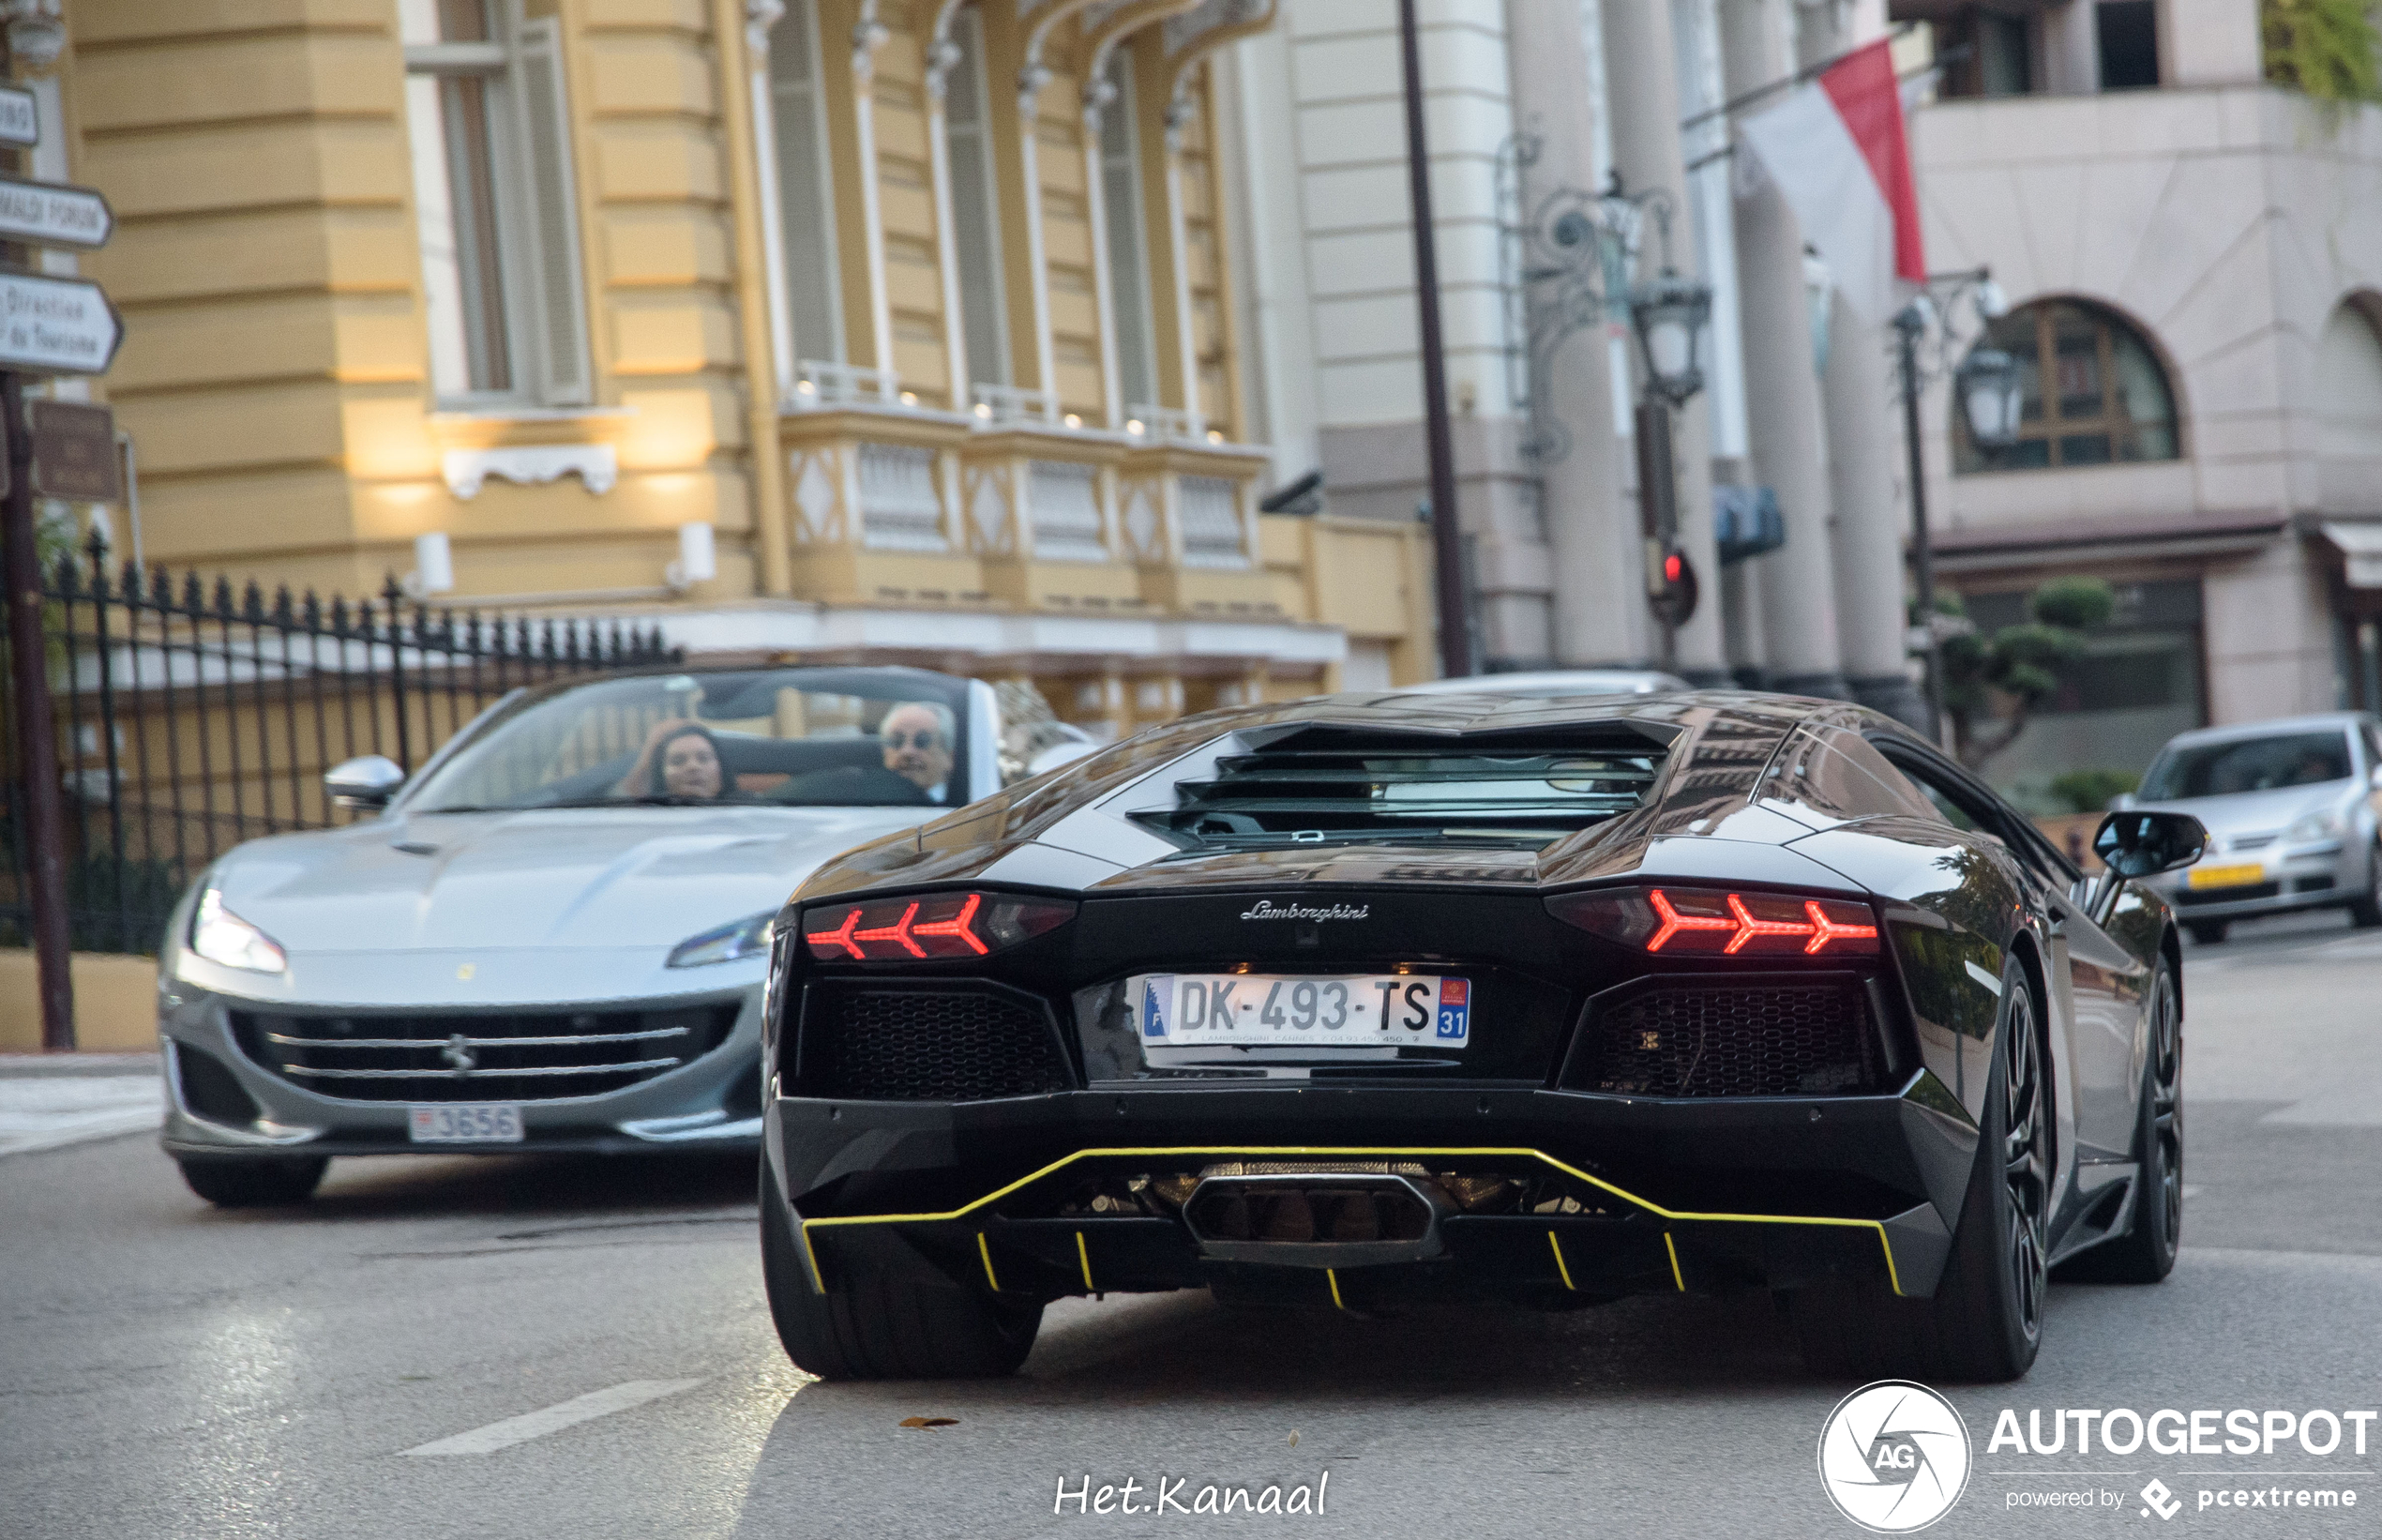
pixel 785 737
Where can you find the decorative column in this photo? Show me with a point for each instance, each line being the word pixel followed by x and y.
pixel 1642 84
pixel 1863 446
pixel 759 274
pixel 1599 605
pixel 1781 388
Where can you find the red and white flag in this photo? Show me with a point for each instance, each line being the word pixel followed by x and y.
pixel 1836 149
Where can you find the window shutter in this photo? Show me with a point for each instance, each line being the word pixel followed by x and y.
pixel 560 309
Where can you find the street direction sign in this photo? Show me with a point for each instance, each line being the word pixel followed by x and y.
pixel 19 119
pixel 74 456
pixel 53 214
pixel 56 325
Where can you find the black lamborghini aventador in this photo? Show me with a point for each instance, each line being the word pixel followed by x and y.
pixel 1368 999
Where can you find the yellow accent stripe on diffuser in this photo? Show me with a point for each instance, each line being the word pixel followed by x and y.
pixel 983 1249
pixel 1084 1256
pixel 1670 1246
pixel 1334 1275
pixel 1280 1151
pixel 1559 1263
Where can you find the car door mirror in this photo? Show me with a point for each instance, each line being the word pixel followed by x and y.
pixel 2137 844
pixel 365 783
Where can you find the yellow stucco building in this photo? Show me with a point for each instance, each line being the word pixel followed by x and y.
pixel 910 320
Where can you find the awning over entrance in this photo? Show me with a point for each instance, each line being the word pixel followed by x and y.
pixel 2361 547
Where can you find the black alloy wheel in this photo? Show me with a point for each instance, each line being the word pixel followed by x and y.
pixel 2026 1156
pixel 1985 1324
pixel 2146 1253
pixel 879 1325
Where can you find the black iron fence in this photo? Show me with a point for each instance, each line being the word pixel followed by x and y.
pixel 190 716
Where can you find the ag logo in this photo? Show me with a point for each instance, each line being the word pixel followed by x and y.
pixel 1893 1457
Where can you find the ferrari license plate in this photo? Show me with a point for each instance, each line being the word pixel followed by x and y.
pixel 1275 1010
pixel 467 1122
pixel 2233 876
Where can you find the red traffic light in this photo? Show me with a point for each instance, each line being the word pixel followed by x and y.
pixel 1674 566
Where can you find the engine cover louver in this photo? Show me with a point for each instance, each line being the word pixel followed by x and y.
pixel 1326 784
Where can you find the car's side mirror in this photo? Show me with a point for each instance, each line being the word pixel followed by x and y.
pixel 366 783
pixel 2137 844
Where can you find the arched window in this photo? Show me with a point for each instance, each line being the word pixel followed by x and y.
pixel 2348 381
pixel 2094 393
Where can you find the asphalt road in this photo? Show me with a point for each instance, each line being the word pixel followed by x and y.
pixel 167 1370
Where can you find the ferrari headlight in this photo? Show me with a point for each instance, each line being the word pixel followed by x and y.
pixel 218 935
pixel 2324 824
pixel 725 943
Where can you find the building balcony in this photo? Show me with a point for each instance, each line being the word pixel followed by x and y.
pixel 1005 508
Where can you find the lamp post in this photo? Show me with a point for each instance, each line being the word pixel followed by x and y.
pixel 1447 545
pixel 1988 387
pixel 1669 312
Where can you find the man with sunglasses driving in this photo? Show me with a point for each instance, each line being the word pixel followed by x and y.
pixel 916 738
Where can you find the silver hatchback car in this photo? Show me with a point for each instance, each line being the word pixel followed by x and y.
pixel 2291 811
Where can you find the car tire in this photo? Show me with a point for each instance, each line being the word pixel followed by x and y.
pixel 253 1182
pixel 1985 1324
pixel 2366 913
pixel 878 1325
pixel 2146 1253
pixel 2206 932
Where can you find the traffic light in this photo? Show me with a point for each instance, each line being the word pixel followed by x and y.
pixel 1671 583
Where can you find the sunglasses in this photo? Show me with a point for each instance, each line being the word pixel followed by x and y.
pixel 924 737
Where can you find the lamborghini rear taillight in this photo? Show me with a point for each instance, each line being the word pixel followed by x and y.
pixel 1718 922
pixel 932 927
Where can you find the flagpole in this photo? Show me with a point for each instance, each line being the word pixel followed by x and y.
pixel 1813 71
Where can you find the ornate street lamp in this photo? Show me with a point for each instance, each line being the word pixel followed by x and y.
pixel 1986 385
pixel 1671 312
pixel 1991 397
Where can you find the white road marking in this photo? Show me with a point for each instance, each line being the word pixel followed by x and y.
pixel 554 1419
pixel 44 1112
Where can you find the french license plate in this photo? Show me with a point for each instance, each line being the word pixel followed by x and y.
pixel 467 1122
pixel 1273 1010
pixel 2233 876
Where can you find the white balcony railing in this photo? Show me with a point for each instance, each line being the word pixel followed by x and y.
pixel 819 382
pixel 1013 404
pixel 1142 420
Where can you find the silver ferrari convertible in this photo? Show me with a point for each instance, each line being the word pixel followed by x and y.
pixel 554 936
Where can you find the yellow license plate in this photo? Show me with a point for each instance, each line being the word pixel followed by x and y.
pixel 2236 876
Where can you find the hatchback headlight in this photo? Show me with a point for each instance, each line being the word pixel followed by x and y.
pixel 218 935
pixel 2325 825
pixel 725 943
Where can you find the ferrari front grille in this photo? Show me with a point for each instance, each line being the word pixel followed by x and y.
pixel 959 1043
pixel 1733 1039
pixel 478 1056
